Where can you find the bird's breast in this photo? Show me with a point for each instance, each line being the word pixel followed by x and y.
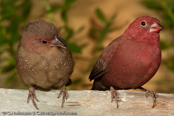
pixel 45 71
pixel 132 65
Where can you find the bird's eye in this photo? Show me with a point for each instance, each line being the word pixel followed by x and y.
pixel 44 41
pixel 143 23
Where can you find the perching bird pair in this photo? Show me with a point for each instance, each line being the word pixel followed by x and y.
pixel 44 61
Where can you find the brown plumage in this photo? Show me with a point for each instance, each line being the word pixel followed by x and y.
pixel 43 60
pixel 131 60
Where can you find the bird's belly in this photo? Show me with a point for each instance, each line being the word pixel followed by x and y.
pixel 129 77
pixel 48 79
pixel 131 71
pixel 45 76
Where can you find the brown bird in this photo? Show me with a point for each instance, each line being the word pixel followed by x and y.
pixel 130 60
pixel 43 60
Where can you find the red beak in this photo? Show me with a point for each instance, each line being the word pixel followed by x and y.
pixel 155 27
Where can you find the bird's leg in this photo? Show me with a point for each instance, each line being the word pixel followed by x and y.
pixel 32 96
pixel 153 94
pixel 65 95
pixel 114 95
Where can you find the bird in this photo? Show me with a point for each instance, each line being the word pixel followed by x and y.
pixel 44 61
pixel 130 60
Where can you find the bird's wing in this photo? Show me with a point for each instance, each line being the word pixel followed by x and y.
pixel 97 71
pixel 100 68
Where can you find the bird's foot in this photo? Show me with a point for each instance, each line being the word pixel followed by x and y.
pixel 153 94
pixel 65 95
pixel 32 96
pixel 114 95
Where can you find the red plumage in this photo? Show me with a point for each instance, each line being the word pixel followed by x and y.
pixel 130 60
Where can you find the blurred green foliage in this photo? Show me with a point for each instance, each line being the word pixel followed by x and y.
pixel 107 26
pixel 99 34
pixel 164 6
pixel 13 15
pixel 63 8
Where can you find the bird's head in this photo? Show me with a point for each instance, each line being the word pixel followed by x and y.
pixel 40 36
pixel 143 28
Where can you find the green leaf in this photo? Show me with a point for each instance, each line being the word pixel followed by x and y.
pixel 103 34
pixel 99 47
pixel 112 18
pixel 101 16
pixel 8 14
pixel 14 24
pixel 26 8
pixel 77 81
pixel 81 29
pixel 7 68
pixel 170 64
pixel 170 4
pixel 1 52
pixel 15 38
pixel 73 47
pixel 69 32
pixel 11 78
pixel 69 2
pixel 12 61
pixel 152 4
pixel 164 45
pixel 53 9
pixel 2 40
pixel 94 33
pixel 65 8
pixel 11 65
pixel 63 15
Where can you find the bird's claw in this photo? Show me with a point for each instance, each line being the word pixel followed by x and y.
pixel 153 94
pixel 32 96
pixel 114 95
pixel 65 95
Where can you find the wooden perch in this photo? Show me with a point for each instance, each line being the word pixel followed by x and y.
pixel 86 103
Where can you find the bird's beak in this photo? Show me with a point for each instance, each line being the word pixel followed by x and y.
pixel 57 42
pixel 155 27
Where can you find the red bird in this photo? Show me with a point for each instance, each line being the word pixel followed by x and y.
pixel 130 60
pixel 44 60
